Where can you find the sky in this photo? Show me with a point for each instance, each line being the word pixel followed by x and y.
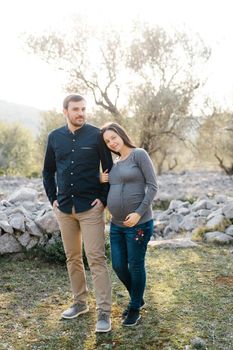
pixel 27 80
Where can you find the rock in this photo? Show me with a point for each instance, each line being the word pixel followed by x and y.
pixel 3 217
pixel 6 227
pixel 183 211
pixel 198 343
pixel 229 231
pixel 214 213
pixel 175 220
pixel 216 221
pixel 29 221
pixel 199 205
pixel 164 216
pixel 217 237
pixel 24 239
pixel 29 206
pixel 188 223
pixel 160 225
pixel 171 235
pixel 173 243
pixel 33 242
pixel 47 222
pixel 228 210
pixel 204 212
pixel 220 199
pixel 5 203
pixel 9 244
pixel 22 195
pixel 17 222
pixel 167 231
pixel 175 204
pixel 33 229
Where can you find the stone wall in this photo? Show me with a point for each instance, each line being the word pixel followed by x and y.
pixel 27 221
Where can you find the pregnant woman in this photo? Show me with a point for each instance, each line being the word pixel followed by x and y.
pixel 133 187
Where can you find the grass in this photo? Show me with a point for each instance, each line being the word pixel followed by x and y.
pixel 189 294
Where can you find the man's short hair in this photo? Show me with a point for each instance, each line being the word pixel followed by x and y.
pixel 73 98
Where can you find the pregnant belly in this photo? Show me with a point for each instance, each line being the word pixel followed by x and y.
pixel 114 204
pixel 121 202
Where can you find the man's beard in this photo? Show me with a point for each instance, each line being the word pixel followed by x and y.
pixel 75 123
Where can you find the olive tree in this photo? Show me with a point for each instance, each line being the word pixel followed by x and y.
pixel 49 120
pixel 214 139
pixel 145 79
pixel 17 150
pixel 168 67
pixel 91 59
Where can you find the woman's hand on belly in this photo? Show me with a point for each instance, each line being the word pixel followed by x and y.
pixel 132 219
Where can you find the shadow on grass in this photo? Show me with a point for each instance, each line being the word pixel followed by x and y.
pixel 33 296
pixel 187 295
pixel 182 283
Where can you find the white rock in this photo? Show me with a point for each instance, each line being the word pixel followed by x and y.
pixel 23 194
pixel 173 243
pixel 217 220
pixel 217 237
pixel 6 227
pixel 48 222
pixel 24 239
pixel 229 231
pixel 17 222
pixel 9 244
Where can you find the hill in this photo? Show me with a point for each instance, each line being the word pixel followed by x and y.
pixel 28 116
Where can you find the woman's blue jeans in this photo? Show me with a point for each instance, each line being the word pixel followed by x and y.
pixel 128 250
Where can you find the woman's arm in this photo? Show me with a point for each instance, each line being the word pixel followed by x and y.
pixel 147 168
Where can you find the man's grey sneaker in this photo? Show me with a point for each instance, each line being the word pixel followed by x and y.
pixel 125 312
pixel 75 310
pixel 132 318
pixel 104 323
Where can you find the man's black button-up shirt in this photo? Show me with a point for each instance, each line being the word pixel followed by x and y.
pixel 72 166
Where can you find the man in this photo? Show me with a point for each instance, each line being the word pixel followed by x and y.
pixel 71 180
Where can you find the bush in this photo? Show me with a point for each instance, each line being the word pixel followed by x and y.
pixel 55 253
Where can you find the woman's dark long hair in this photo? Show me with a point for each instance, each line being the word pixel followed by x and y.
pixel 119 130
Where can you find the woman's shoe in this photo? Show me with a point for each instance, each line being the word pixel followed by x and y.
pixel 132 318
pixel 125 312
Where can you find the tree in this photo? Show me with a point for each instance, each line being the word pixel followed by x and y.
pixel 17 150
pixel 49 120
pixel 166 66
pixel 152 74
pixel 91 60
pixel 214 141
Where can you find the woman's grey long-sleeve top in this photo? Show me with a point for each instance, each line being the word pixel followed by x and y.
pixel 133 187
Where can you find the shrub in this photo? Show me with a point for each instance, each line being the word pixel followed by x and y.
pixel 55 253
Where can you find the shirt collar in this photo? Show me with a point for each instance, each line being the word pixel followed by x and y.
pixel 76 131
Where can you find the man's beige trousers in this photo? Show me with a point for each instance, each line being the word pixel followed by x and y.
pixel 88 227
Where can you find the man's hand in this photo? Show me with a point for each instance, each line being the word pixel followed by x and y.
pixel 97 202
pixel 132 219
pixel 55 204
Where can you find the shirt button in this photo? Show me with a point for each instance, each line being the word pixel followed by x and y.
pixel 72 150
pixel 71 173
pixel 71 184
pixel 73 140
pixel 72 195
pixel 72 161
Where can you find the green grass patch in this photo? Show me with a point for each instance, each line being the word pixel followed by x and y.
pixel 189 294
